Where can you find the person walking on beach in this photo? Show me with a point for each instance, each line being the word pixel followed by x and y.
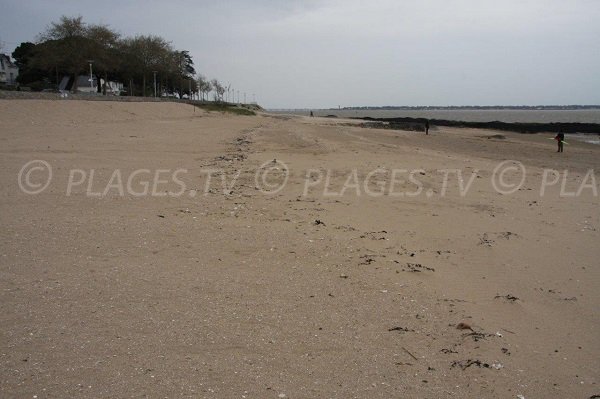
pixel 311 114
pixel 560 138
pixel 426 126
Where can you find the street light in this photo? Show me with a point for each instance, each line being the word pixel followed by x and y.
pixel 91 76
pixel 154 72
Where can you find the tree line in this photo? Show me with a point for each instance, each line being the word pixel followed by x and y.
pixel 68 46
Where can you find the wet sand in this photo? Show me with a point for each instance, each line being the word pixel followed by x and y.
pixel 205 290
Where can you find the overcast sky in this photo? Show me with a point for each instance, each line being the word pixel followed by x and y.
pixel 312 54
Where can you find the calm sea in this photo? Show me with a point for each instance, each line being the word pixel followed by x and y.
pixel 527 116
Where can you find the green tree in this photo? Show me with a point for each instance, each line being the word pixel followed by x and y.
pixel 70 44
pixel 204 86
pixel 28 73
pixel 65 43
pixel 218 88
pixel 23 54
pixel 104 45
pixel 143 55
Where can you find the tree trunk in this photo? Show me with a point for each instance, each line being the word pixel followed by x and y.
pixel 144 85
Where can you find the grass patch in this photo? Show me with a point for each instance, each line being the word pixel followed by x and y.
pixel 225 108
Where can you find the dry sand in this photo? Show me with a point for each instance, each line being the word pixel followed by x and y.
pixel 234 294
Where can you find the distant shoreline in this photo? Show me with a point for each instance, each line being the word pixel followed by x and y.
pixel 472 107
pixel 450 108
pixel 525 116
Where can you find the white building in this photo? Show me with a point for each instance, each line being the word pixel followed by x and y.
pixel 85 86
pixel 8 71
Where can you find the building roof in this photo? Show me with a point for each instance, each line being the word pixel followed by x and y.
pixel 7 61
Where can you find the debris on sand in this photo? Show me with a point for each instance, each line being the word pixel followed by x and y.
pixel 230 157
pixel 375 235
pixel 411 355
pixel 401 329
pixel 447 351
pixel 506 235
pixel 477 336
pixel 345 228
pixel 508 297
pixel 485 240
pixel 403 364
pixel 367 260
pixel 417 268
pixel 465 364
pixel 463 326
pixel 319 222
pixel 242 141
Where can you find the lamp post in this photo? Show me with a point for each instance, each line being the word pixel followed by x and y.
pixel 154 72
pixel 91 76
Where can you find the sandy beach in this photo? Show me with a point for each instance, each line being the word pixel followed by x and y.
pixel 275 256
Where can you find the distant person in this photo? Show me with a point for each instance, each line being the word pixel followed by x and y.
pixel 426 126
pixel 560 138
pixel 311 114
